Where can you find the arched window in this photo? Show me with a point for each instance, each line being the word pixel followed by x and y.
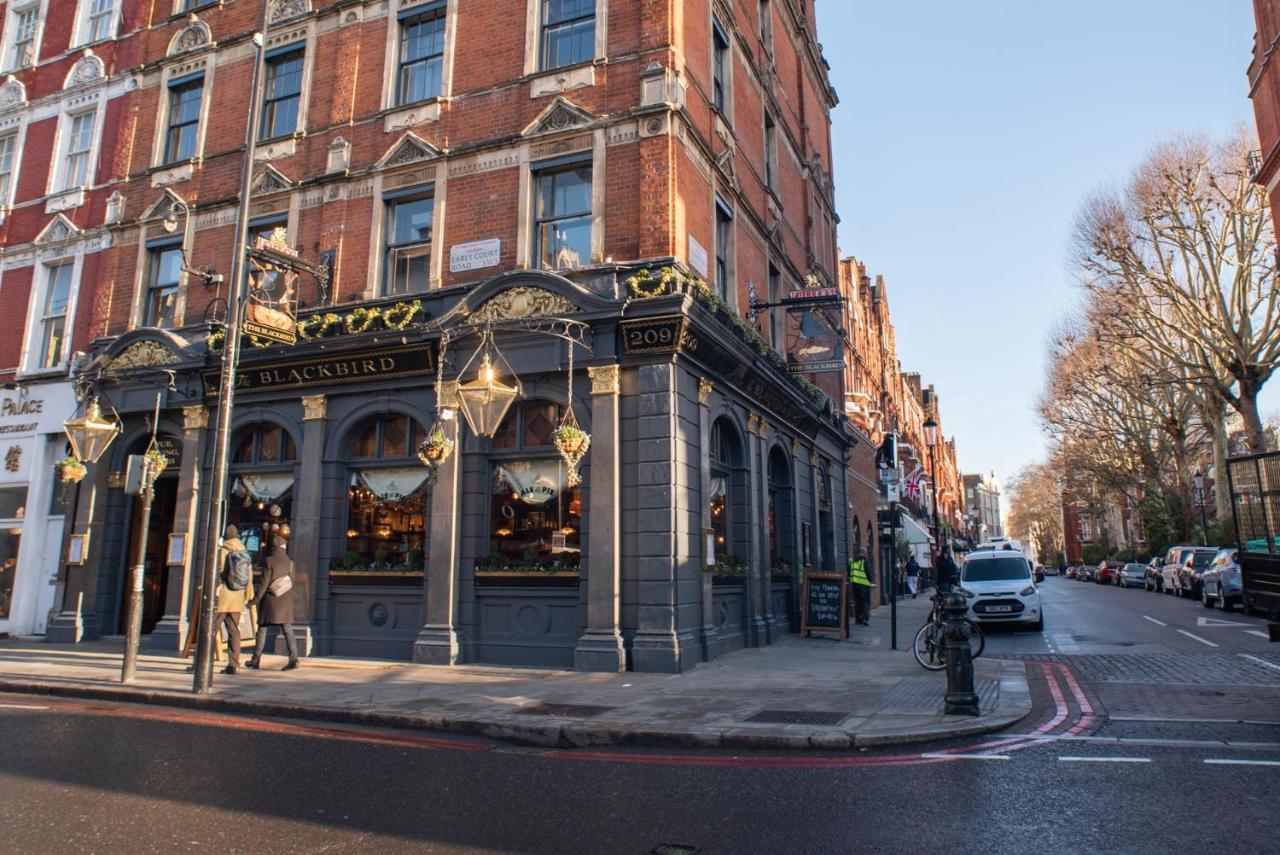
pixel 727 502
pixel 386 498
pixel 535 517
pixel 781 515
pixel 826 524
pixel 262 463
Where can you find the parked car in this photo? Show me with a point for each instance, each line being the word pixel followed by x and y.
pixel 1131 575
pixel 1153 581
pixel 1221 583
pixel 1105 572
pixel 1053 570
pixel 1182 568
pixel 1000 588
pixel 1070 572
pixel 1086 572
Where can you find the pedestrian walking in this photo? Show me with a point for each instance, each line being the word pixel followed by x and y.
pixel 235 589
pixel 275 604
pixel 859 587
pixel 913 576
pixel 948 573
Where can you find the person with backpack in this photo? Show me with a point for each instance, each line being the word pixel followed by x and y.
pixel 275 605
pixel 235 589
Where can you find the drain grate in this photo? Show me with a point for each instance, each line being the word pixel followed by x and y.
pixel 815 717
pixel 563 710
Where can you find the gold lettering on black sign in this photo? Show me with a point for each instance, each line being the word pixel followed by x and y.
pixel 404 362
pixel 664 335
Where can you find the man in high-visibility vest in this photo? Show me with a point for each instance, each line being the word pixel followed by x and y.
pixel 860 587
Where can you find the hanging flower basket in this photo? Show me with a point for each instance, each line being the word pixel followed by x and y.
pixel 156 460
pixel 70 470
pixel 436 448
pixel 572 442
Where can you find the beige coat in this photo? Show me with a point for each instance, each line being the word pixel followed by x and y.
pixel 229 600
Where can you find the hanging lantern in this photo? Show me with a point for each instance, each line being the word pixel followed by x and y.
pixel 485 399
pixel 91 433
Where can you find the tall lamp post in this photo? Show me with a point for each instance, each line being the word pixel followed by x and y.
pixel 931 440
pixel 1204 520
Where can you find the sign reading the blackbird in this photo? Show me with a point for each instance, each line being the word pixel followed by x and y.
pixel 331 368
pixel 824 604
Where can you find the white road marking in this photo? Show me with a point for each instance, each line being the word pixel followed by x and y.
pixel 1260 661
pixel 1104 759
pixel 1153 620
pixel 1196 637
pixel 1225 762
pixel 1258 633
pixel 965 756
pixel 21 707
pixel 1213 621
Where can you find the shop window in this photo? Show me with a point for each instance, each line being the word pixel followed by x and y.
pixel 13 509
pixel 568 32
pixel 562 224
pixel 386 499
pixel 535 519
pixel 262 472
pixel 421 56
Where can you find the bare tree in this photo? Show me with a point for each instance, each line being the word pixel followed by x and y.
pixel 1187 248
pixel 1035 510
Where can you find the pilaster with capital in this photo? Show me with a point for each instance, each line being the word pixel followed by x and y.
pixel 171 631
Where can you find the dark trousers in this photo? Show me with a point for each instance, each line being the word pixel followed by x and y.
pixel 290 643
pixel 861 595
pixel 231 622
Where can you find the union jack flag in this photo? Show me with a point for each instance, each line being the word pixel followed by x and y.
pixel 912 487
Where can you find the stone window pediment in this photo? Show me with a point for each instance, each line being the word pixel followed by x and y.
pixel 560 116
pixel 410 148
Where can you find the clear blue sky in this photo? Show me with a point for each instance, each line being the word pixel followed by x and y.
pixel 966 138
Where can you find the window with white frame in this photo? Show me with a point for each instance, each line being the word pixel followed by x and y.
pixel 724 244
pixel 282 95
pixel 98 22
pixel 562 215
pixel 420 67
pixel 408 242
pixel 22 51
pixel 185 97
pixel 52 332
pixel 568 33
pixel 8 164
pixel 79 145
pixel 163 278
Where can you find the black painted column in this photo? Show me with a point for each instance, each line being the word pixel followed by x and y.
pixel 437 642
pixel 171 632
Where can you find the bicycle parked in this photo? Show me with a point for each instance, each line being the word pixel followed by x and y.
pixel 929 646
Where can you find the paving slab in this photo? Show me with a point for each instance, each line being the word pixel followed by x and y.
pixel 875 695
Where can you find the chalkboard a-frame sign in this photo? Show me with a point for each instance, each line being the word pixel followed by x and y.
pixel 825 608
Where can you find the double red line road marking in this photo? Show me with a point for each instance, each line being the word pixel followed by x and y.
pixel 1072 715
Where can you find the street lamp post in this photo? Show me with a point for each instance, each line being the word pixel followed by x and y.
pixel 1204 520
pixel 931 440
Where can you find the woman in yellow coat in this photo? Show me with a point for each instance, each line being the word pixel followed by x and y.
pixel 231 602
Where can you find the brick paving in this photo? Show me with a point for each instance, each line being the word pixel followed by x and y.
pixel 1205 669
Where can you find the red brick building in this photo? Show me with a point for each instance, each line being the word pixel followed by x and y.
pixel 1264 91
pixel 450 161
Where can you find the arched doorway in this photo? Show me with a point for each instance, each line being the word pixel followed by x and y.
pixel 783 570
pixel 156 537
pixel 826 521
pixel 731 530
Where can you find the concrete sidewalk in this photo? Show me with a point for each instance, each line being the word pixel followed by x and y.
pixel 855 694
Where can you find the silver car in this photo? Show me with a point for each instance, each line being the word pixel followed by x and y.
pixel 1221 583
pixel 1131 575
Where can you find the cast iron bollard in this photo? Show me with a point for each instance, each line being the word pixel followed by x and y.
pixel 961 698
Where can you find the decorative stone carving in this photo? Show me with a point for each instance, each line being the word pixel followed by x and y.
pixel 194 36
pixel 88 69
pixel 753 423
pixel 605 379
pixel 410 148
pixel 795 447
pixel 115 208
pixel 115 480
pixel 195 418
pixel 12 93
pixel 560 115
pixel 285 10
pixel 524 302
pixel 270 180
pixel 339 156
pixel 59 230
pixel 704 390
pixel 314 408
pixel 143 354
pixel 763 427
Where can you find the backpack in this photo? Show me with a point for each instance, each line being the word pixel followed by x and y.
pixel 236 574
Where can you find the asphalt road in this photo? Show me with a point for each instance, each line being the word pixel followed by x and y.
pixel 79 776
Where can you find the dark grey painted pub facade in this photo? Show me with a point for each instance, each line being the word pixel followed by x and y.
pixel 712 479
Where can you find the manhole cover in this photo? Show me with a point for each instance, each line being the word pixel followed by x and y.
pixel 564 710
pixel 822 719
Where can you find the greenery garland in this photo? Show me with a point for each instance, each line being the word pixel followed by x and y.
pixel 397 317
pixel 359 320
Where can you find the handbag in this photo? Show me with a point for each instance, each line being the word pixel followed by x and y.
pixel 280 587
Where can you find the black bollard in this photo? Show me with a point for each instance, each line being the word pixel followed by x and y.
pixel 961 699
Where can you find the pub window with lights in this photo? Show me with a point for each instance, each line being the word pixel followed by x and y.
pixel 386 499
